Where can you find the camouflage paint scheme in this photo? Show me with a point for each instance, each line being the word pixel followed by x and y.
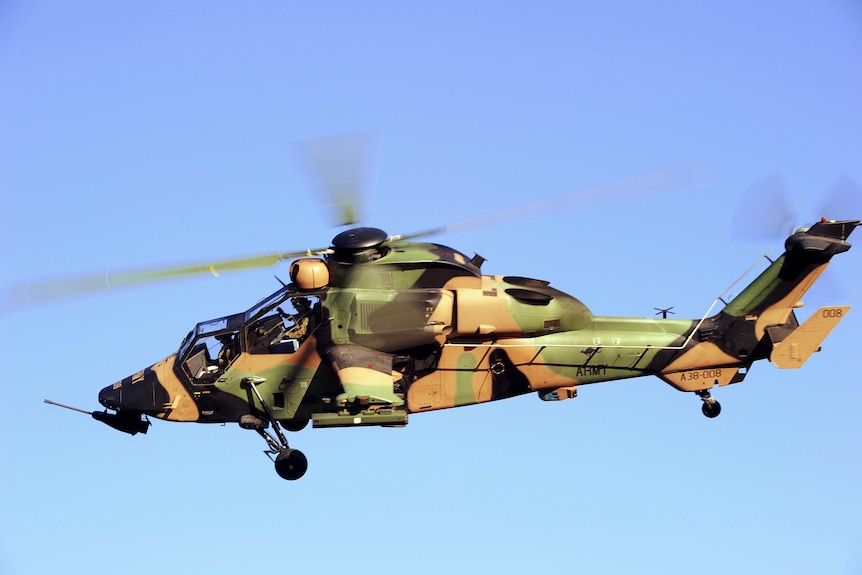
pixel 407 327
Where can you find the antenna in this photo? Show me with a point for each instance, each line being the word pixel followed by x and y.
pixel 664 312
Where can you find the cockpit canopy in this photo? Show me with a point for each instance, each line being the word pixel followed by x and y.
pixel 276 324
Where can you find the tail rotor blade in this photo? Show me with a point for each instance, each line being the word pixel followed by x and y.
pixel 843 201
pixel 766 211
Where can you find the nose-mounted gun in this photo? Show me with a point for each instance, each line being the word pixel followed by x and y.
pixel 126 421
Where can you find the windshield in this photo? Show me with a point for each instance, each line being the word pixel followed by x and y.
pixel 211 330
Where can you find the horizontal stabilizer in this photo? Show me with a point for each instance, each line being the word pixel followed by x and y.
pixel 795 349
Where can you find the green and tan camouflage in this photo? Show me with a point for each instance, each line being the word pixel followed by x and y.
pixel 381 328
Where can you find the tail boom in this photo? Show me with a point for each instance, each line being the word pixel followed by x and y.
pixel 760 322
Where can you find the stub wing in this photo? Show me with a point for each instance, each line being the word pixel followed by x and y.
pixel 795 349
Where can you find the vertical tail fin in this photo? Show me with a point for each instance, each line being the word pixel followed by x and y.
pixel 772 296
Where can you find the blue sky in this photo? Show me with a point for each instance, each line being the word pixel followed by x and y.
pixel 149 133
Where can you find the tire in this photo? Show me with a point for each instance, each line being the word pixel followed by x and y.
pixel 291 464
pixel 711 408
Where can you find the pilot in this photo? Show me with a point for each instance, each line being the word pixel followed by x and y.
pixel 229 350
pixel 303 311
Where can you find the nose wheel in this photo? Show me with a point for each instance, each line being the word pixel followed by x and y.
pixel 710 408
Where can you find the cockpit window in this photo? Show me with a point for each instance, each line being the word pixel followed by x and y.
pixel 283 328
pixel 210 348
pixel 267 304
pixel 210 354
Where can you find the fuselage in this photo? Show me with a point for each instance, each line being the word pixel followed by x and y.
pixel 420 318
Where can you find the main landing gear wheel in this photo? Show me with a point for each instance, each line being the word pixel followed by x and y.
pixel 291 464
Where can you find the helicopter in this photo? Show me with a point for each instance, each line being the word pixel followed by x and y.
pixel 375 328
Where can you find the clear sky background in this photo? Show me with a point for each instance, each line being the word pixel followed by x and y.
pixel 147 133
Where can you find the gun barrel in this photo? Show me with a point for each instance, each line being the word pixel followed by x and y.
pixel 49 402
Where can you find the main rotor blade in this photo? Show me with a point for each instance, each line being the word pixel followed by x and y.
pixel 340 163
pixel 25 294
pixel 672 178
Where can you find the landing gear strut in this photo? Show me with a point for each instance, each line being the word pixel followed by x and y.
pixel 290 464
pixel 710 408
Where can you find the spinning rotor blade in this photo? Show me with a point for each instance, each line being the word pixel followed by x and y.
pixel 676 177
pixel 340 165
pixel 767 210
pixel 31 293
pixel 767 213
pixel 844 199
pixel 668 179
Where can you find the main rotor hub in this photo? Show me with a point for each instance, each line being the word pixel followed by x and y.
pixel 357 239
pixel 358 245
